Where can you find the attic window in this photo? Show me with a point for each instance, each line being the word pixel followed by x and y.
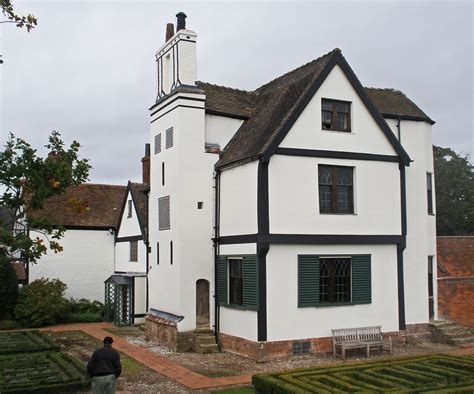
pixel 336 115
pixel 129 209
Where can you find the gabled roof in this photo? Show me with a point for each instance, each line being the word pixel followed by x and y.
pixel 270 110
pixel 139 193
pixel 89 205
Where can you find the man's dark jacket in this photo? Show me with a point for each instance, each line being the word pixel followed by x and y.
pixel 104 361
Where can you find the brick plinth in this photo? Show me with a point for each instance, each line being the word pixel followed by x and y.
pixel 165 332
pixel 266 351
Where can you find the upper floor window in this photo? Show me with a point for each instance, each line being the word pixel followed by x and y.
pixel 157 143
pixel 336 194
pixel 336 115
pixel 169 138
pixel 429 190
pixel 133 250
pixel 129 209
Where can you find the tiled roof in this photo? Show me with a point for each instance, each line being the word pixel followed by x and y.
pixel 267 108
pixel 140 198
pixel 88 205
pixel 391 102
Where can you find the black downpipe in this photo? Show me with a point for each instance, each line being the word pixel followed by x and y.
pixel 216 249
pixel 399 132
pixel 400 249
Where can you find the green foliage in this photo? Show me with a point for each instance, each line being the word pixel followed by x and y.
pixel 454 177
pixel 42 372
pixel 28 180
pixel 85 311
pixel 8 287
pixel 26 342
pixel 435 373
pixel 42 303
pixel 28 21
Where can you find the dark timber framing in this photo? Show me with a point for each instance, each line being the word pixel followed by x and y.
pixel 128 239
pixel 312 239
pixel 327 154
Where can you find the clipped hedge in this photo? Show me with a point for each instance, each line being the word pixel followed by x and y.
pixel 26 342
pixel 41 372
pixel 430 374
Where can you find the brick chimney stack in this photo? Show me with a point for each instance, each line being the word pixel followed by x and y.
pixel 169 31
pixel 146 165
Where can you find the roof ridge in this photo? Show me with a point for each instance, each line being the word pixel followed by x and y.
pixel 227 87
pixel 259 89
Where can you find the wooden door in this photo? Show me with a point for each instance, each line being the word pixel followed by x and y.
pixel 202 301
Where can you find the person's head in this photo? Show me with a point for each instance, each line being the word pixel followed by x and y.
pixel 108 341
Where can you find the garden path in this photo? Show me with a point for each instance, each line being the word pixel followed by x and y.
pixel 153 361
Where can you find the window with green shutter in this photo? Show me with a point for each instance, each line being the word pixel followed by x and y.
pixel 237 283
pixel 327 280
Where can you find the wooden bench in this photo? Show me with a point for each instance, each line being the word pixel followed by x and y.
pixel 359 338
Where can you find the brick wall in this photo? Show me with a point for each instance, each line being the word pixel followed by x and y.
pixel 456 279
pixel 165 332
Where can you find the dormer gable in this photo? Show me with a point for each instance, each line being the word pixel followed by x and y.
pixel 134 213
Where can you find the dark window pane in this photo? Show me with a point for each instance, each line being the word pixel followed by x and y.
pixel 335 115
pixel 342 107
pixel 335 280
pixel 235 282
pixel 344 198
pixel 342 121
pixel 327 105
pixel 325 175
pixel 325 198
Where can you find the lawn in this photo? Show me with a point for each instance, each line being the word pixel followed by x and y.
pixel 427 374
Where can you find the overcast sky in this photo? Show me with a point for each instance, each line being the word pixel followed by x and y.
pixel 88 69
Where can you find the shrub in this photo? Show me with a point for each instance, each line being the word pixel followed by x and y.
pixel 42 303
pixel 8 288
pixel 85 311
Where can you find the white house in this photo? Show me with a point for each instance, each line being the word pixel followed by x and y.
pixel 278 214
pixel 88 256
pixel 127 288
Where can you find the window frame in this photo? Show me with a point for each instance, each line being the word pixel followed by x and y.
pixel 133 256
pixel 332 286
pixel 129 208
pixel 429 192
pixel 231 296
pixel 334 112
pixel 157 143
pixel 167 225
pixel 334 187
pixel 169 137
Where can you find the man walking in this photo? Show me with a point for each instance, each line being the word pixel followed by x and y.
pixel 104 368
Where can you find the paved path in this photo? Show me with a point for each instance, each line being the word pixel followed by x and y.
pixel 157 363
pixel 172 370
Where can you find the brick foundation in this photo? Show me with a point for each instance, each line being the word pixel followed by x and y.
pixel 165 332
pixel 266 351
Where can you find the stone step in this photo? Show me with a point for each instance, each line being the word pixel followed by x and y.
pixel 457 333
pixel 460 341
pixel 206 349
pixel 442 323
pixel 204 340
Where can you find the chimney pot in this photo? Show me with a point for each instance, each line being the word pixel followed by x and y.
pixel 181 21
pixel 169 31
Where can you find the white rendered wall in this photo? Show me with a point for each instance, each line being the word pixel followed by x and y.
pixel 188 180
pixel 129 226
pixel 286 321
pixel 294 198
pixel 238 322
pixel 421 227
pixel 238 200
pixel 86 262
pixel 122 258
pixel 140 298
pixel 365 136
pixel 220 129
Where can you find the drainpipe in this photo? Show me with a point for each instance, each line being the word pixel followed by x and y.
pixel 399 130
pixel 216 248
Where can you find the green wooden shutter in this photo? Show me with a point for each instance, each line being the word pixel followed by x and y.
pixel 249 279
pixel 221 286
pixel 361 279
pixel 308 281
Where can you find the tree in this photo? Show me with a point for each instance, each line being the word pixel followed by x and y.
pixel 454 176
pixel 28 180
pixel 28 21
pixel 8 288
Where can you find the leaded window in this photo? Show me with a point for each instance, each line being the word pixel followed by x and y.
pixel 335 280
pixel 129 208
pixel 429 190
pixel 336 115
pixel 169 138
pixel 235 282
pixel 335 189
pixel 133 250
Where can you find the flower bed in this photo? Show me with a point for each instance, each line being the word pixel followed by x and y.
pixel 41 372
pixel 26 342
pixel 437 373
